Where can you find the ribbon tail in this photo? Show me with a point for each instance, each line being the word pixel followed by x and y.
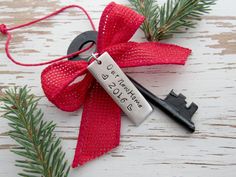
pixel 100 127
pixel 133 54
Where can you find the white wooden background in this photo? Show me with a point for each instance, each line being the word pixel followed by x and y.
pixel 159 147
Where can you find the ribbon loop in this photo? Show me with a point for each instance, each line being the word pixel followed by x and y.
pixel 60 87
pixel 117 25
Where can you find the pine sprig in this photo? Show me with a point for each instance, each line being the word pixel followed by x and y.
pixel 38 145
pixel 174 15
pixel 150 10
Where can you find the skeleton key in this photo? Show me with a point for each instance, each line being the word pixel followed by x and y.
pixel 173 105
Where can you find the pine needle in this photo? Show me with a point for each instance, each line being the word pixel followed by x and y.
pixel 172 17
pixel 38 145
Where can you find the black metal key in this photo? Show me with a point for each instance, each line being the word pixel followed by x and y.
pixel 173 105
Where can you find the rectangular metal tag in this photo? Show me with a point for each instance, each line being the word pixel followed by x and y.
pixel 120 88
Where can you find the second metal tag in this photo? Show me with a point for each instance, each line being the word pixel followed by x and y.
pixel 120 88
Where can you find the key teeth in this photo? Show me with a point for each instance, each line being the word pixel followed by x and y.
pixel 173 98
pixel 179 102
pixel 176 106
pixel 182 96
pixel 172 93
pixel 192 108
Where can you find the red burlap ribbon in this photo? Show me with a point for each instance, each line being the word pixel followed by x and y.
pixel 68 84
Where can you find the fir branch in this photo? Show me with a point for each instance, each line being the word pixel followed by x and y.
pixel 38 145
pixel 174 15
pixel 150 10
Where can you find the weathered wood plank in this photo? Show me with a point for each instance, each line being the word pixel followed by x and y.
pixel 159 147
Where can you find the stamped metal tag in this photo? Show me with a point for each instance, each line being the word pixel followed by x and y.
pixel 120 88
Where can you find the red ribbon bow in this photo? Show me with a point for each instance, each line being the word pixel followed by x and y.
pixel 100 124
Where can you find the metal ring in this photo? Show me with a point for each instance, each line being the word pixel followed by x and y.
pixel 94 56
pixel 78 43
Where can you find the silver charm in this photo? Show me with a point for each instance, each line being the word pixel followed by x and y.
pixel 120 88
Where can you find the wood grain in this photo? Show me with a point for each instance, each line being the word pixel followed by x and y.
pixel 159 147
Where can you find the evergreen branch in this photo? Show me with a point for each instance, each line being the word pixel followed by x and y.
pixel 174 15
pixel 150 10
pixel 38 145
